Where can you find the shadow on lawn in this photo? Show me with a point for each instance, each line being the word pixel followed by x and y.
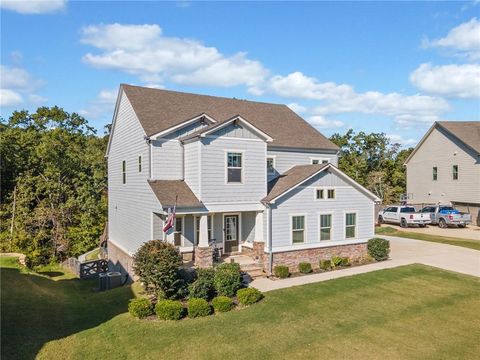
pixel 36 309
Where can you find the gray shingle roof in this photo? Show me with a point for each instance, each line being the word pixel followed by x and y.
pixel 466 131
pixel 158 110
pixel 167 190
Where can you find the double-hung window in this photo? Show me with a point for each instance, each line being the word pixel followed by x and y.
pixel 124 172
pixel 435 173
pixel 298 229
pixel 350 225
pixel 321 194
pixel 270 165
pixel 325 227
pixel 234 167
pixel 455 172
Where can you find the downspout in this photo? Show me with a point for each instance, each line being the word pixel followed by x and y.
pixel 269 239
pixel 149 142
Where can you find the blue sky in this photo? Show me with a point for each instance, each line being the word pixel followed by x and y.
pixel 392 67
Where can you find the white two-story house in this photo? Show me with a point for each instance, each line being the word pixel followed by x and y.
pixel 246 177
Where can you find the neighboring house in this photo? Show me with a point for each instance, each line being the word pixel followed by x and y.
pixel 445 167
pixel 252 177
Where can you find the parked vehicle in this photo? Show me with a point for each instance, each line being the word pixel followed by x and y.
pixel 446 216
pixel 404 216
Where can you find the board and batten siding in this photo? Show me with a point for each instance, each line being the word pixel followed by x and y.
pixel 442 150
pixel 213 174
pixel 130 205
pixel 287 158
pixel 301 201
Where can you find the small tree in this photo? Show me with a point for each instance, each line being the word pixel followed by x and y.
pixel 157 263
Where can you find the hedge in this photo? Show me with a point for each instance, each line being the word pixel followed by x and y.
pixel 169 310
pixel 140 308
pixel 378 248
pixel 222 304
pixel 198 308
pixel 249 296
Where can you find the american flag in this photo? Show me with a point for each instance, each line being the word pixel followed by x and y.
pixel 170 218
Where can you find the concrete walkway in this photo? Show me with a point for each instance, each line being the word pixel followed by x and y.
pixel 403 252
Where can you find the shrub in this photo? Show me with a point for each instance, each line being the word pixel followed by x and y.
pixel 378 248
pixel 169 310
pixel 325 264
pixel 222 304
pixel 157 263
pixel 140 308
pixel 305 267
pixel 336 261
pixel 198 307
pixel 203 287
pixel 345 261
pixel 227 279
pixel 281 271
pixel 249 296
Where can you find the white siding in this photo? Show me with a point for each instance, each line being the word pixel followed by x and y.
pixel 191 163
pixel 130 205
pixel 167 157
pixel 286 159
pixel 214 188
pixel 302 201
pixel 442 150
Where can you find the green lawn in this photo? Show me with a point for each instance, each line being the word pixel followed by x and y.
pixel 411 312
pixel 388 230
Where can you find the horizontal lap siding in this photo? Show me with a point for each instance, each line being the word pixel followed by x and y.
pixel 285 160
pixel 248 226
pixel 129 205
pixel 301 201
pixel 439 150
pixel 213 172
pixel 192 156
pixel 167 157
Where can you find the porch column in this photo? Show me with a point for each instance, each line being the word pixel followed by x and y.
pixel 203 252
pixel 258 243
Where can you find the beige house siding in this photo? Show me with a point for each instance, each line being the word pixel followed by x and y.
pixel 443 150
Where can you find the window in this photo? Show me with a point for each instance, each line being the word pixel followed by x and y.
pixel 140 164
pixel 407 210
pixel 435 173
pixel 270 165
pixel 315 161
pixel 234 167
pixel 350 225
pixel 325 227
pixel 209 227
pixel 455 172
pixel 331 193
pixel 320 193
pixel 298 229
pixel 124 172
pixel 177 234
pixel 319 161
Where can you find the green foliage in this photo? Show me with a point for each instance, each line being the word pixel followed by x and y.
pixel 325 264
pixel 222 304
pixel 345 261
pixel 336 261
pixel 227 279
pixel 169 310
pixel 53 181
pixel 203 287
pixel 140 308
pixel 249 296
pixel 157 264
pixel 374 162
pixel 198 308
pixel 378 248
pixel 281 271
pixel 305 267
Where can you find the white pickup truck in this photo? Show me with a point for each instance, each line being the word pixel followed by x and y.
pixel 404 216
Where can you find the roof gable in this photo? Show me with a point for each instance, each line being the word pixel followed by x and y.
pixel 158 110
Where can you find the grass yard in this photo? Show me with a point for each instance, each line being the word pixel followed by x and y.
pixel 388 230
pixel 413 312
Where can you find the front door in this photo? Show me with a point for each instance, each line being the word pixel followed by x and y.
pixel 230 233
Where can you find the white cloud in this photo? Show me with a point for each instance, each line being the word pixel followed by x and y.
pixel 16 84
pixel 405 109
pixel 320 122
pixel 461 81
pixel 9 98
pixel 399 139
pixel 463 39
pixel 297 108
pixel 143 50
pixel 103 104
pixel 33 6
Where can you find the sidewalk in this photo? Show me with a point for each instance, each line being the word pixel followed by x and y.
pixel 403 252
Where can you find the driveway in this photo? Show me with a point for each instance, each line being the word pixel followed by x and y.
pixel 403 252
pixel 471 232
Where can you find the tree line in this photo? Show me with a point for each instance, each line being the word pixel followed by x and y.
pixel 54 180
